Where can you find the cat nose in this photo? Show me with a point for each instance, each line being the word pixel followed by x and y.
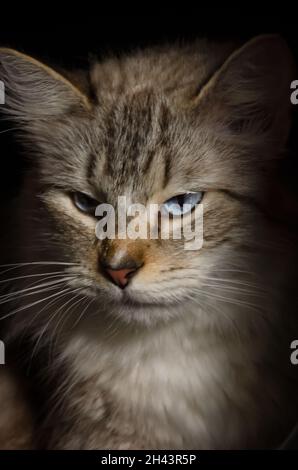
pixel 121 275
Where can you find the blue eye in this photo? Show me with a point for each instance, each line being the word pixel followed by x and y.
pixel 84 203
pixel 183 203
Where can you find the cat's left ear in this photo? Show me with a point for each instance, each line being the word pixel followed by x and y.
pixel 34 90
pixel 250 93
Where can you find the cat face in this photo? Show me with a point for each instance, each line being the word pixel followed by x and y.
pixel 158 128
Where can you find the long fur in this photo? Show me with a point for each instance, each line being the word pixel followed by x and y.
pixel 194 353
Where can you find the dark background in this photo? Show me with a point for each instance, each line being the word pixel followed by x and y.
pixel 70 43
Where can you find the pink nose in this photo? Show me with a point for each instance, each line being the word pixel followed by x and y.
pixel 120 276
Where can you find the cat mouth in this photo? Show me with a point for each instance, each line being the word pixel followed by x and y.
pixel 132 298
pixel 131 302
pixel 137 300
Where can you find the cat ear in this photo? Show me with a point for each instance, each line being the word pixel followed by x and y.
pixel 34 90
pixel 250 93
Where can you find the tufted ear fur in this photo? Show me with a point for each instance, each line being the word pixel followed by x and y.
pixel 250 93
pixel 35 91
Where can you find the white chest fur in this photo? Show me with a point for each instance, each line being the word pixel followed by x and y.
pixel 177 386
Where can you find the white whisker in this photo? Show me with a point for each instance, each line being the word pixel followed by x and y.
pixel 44 329
pixel 26 276
pixel 31 305
pixel 33 290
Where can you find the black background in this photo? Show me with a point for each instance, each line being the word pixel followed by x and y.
pixel 71 41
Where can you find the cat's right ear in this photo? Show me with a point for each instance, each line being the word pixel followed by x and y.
pixel 33 90
pixel 249 95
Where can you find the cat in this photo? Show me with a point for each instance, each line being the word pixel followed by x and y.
pixel 141 344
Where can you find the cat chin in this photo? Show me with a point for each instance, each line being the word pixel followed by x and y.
pixel 143 306
pixel 135 298
pixel 140 299
pixel 132 307
pixel 147 315
pixel 149 310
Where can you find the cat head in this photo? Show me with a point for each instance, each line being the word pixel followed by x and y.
pixel 204 123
